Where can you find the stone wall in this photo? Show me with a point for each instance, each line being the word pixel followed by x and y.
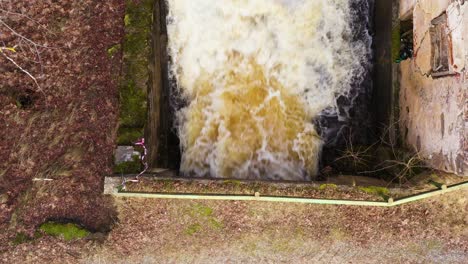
pixel 433 111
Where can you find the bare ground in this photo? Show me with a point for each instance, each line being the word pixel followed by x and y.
pixel 170 231
pixel 63 127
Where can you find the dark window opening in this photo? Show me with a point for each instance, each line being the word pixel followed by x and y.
pixel 406 40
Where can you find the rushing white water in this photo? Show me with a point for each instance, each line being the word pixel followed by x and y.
pixel 255 74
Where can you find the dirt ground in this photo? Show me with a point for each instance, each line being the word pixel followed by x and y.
pixel 60 123
pixel 172 231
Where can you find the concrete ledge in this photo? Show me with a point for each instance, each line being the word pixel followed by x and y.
pixel 112 187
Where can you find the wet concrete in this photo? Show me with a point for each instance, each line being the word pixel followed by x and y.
pixel 383 97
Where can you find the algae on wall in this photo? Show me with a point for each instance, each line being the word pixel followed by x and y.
pixel 133 88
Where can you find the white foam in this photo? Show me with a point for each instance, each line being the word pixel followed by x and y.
pixel 303 44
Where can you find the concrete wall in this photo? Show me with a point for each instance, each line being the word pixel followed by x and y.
pixel 406 8
pixel 433 111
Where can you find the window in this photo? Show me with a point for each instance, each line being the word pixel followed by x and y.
pixel 406 40
pixel 441 47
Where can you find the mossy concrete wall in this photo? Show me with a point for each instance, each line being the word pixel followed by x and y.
pixel 133 89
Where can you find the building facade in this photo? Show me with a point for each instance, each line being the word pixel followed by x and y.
pixel 433 107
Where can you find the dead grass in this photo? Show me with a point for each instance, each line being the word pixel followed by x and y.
pixel 67 134
pixel 156 231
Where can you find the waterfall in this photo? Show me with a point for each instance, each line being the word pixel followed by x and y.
pixel 255 75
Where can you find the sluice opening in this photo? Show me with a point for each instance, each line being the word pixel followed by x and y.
pixel 260 89
pixel 283 90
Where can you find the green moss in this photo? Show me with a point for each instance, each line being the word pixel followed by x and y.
pixel 67 231
pixel 396 42
pixel 138 20
pixel 215 224
pixel 327 186
pixel 374 190
pixel 233 182
pixel 434 177
pixel 120 188
pixel 203 218
pixel 133 106
pixel 113 50
pixel 192 229
pixel 201 210
pixel 168 185
pixel 436 184
pixel 127 20
pixel 133 89
pixel 128 136
pixel 129 167
pixel 22 238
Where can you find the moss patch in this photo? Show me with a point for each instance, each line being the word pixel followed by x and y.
pixel 133 89
pixel 374 190
pixel 132 106
pixel 327 186
pixel 201 210
pixel 67 231
pixel 192 229
pixel 203 218
pixel 113 50
pixel 215 224
pixel 22 238
pixel 396 42
pixel 129 167
pixel 128 136
pixel 232 182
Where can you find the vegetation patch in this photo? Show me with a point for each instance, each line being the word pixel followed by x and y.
pixel 129 167
pixel 192 229
pixel 22 238
pixel 201 210
pixel 68 231
pixel 113 50
pixel 128 136
pixel 232 182
pixel 396 42
pixel 133 88
pixel 374 190
pixel 327 186
pixel 215 224
pixel 204 219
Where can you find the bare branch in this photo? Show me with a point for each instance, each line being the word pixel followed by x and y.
pixel 33 47
pixel 21 36
pixel 22 69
